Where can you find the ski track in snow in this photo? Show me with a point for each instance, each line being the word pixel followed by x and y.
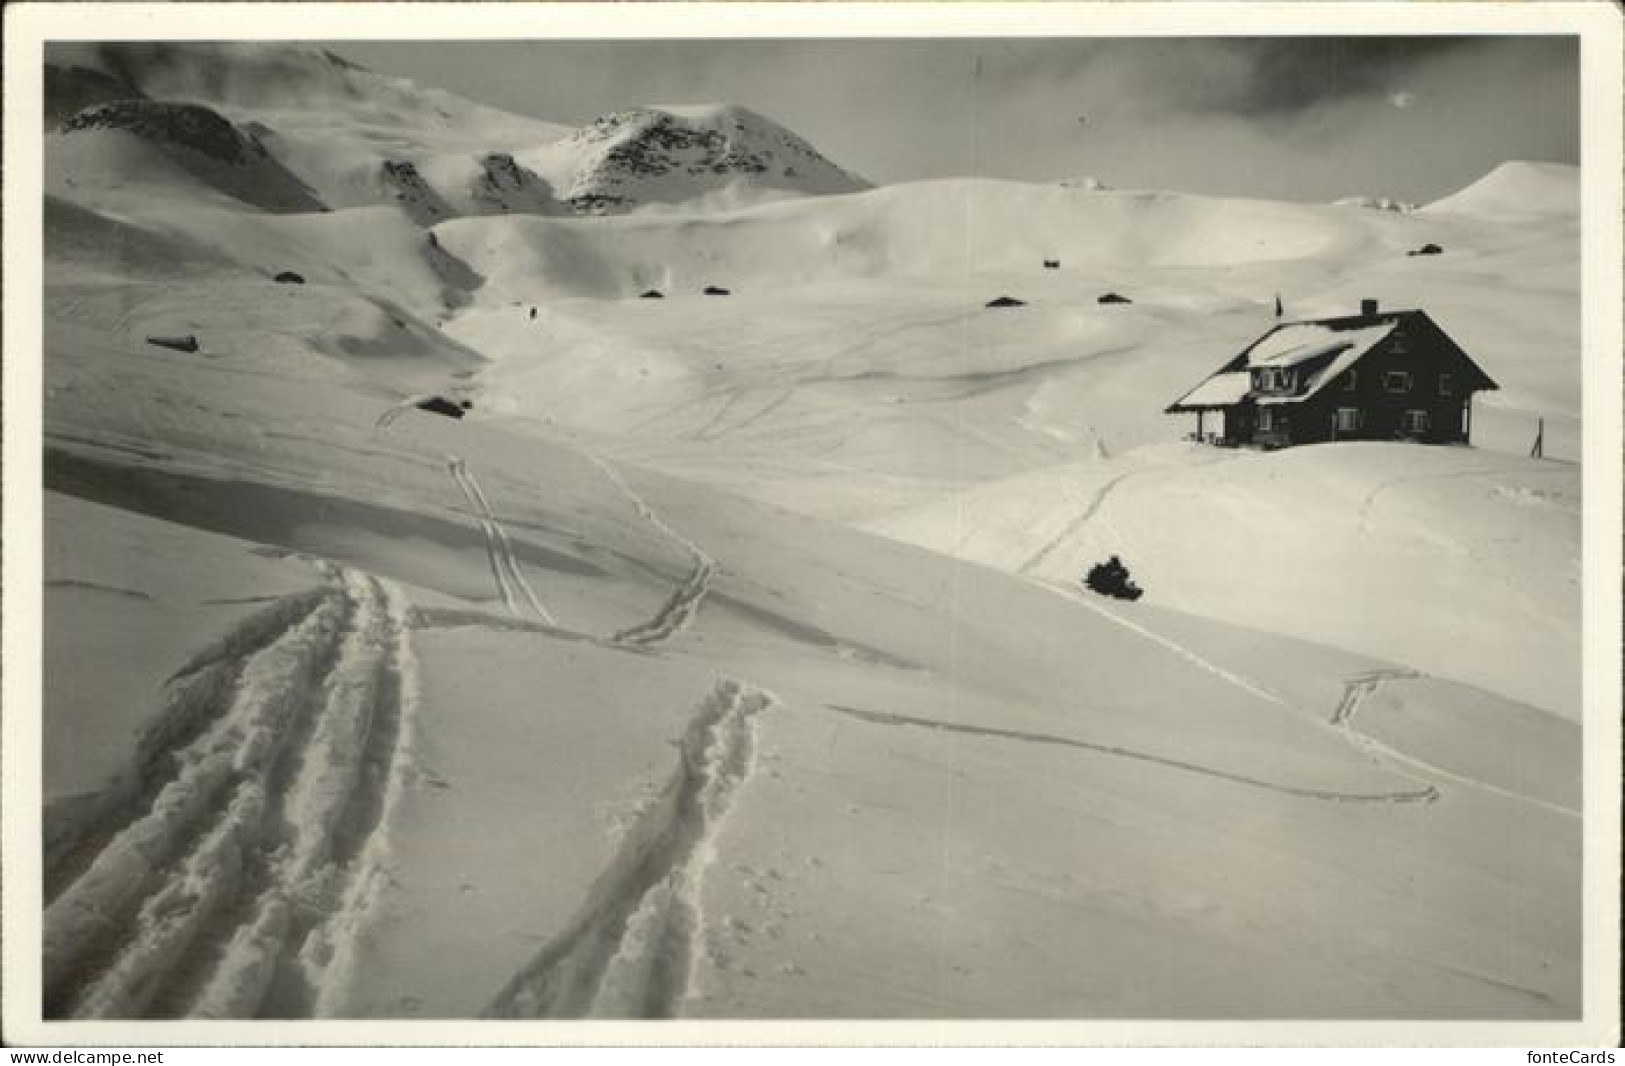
pixel 1076 524
pixel 1370 501
pixel 1093 507
pixel 1178 649
pixel 1356 690
pixel 632 952
pixel 499 549
pixel 683 604
pixel 1426 795
pixel 387 419
pixel 243 886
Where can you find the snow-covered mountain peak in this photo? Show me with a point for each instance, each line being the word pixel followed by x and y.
pixel 672 154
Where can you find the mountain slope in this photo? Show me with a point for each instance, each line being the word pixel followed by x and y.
pixel 1516 190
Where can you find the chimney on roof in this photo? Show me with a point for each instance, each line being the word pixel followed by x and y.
pixel 1368 307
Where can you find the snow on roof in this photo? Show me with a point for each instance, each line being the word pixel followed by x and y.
pixel 1360 341
pixel 1302 341
pixel 1220 390
pixel 1288 346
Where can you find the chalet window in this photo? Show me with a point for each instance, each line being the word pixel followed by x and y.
pixel 1266 419
pixel 1348 419
pixel 1414 421
pixel 1397 345
pixel 1348 381
pixel 1445 385
pixel 1273 379
pixel 1397 381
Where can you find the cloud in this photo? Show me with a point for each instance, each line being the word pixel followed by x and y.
pixel 1286 75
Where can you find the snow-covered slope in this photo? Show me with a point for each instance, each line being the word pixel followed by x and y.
pixel 1517 190
pixel 1280 541
pixel 631 609
pixel 115 152
pixel 879 754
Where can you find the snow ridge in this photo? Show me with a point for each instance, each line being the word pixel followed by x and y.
pixel 632 952
pixel 242 882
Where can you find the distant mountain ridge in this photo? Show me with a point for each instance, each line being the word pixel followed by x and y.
pixel 353 137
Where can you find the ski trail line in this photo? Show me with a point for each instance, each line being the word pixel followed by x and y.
pixel 498 572
pixel 1076 524
pixel 499 548
pixel 1357 689
pixel 191 701
pixel 1178 649
pixel 1384 487
pixel 632 952
pixel 508 555
pixel 245 886
pixel 1355 692
pixel 387 419
pixel 684 603
pixel 1426 795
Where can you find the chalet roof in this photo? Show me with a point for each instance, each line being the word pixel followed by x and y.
pixel 1220 390
pixel 1300 342
pixel 1336 343
pixel 1349 348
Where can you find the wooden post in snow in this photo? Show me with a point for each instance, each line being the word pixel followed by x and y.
pixel 1538 451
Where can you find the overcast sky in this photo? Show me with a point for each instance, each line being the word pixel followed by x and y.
pixel 1294 118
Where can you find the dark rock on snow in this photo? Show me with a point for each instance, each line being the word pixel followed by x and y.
pixel 441 406
pixel 187 343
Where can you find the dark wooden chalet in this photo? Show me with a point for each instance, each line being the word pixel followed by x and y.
pixel 1392 375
